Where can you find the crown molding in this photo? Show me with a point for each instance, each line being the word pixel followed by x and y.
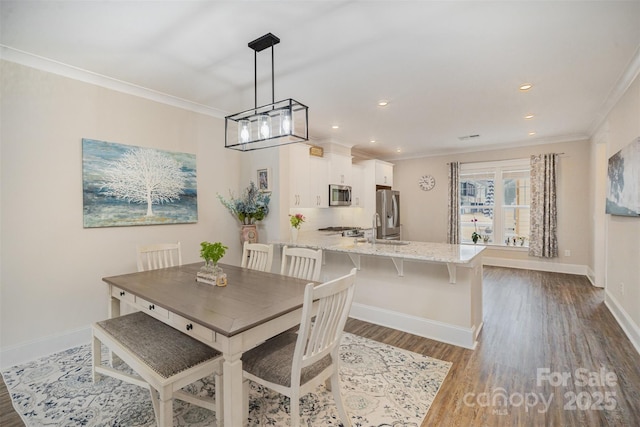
pixel 625 80
pixel 49 65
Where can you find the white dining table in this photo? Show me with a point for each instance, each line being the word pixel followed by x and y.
pixel 253 307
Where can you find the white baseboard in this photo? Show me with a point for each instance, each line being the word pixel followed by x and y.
pixel 439 331
pixel 527 264
pixel 624 320
pixel 19 354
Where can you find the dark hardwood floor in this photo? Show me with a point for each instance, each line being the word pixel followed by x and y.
pixel 8 416
pixel 555 323
pixel 547 356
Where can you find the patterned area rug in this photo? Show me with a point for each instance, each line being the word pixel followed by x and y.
pixel 382 386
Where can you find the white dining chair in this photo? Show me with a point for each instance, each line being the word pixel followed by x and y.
pixel 257 256
pixel 164 360
pixel 302 263
pixel 160 255
pixel 294 364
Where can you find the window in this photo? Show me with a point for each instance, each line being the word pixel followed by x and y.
pixel 494 201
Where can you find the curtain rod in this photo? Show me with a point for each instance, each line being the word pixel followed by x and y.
pixel 501 160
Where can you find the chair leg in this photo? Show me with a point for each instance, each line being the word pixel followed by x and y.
pixel 166 412
pixel 337 396
pixel 245 400
pixel 96 357
pixel 155 402
pixel 219 400
pixel 295 409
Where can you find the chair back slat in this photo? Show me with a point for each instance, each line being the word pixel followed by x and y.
pixel 321 336
pixel 302 263
pixel 161 255
pixel 257 256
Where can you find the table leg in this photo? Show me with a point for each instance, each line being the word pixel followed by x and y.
pixel 232 385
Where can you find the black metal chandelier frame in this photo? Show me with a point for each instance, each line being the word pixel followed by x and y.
pixel 271 125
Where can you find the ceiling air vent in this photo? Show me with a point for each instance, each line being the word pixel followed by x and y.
pixel 468 137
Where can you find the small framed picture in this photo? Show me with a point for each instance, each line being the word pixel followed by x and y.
pixel 264 180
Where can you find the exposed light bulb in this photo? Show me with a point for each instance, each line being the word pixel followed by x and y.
pixel 285 122
pixel 264 126
pixel 243 131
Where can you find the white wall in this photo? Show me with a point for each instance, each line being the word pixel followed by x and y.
pixel 51 267
pixel 623 233
pixel 424 213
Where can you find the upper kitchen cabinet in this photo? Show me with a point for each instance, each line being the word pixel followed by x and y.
pixel 318 183
pixel 339 169
pixel 384 173
pixel 309 186
pixel 298 175
pixel 357 177
pixel 374 173
pixel 378 171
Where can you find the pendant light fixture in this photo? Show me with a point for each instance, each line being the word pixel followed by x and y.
pixel 271 125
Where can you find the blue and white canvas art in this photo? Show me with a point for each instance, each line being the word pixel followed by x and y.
pixel 623 185
pixel 125 185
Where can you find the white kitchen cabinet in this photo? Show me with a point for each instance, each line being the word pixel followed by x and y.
pixel 357 185
pixel 309 186
pixel 318 183
pixel 384 173
pixel 374 173
pixel 299 175
pixel 339 169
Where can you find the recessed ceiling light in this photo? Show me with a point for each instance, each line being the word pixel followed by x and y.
pixel 373 141
pixel 398 150
pixel 531 133
pixel 383 103
pixel 335 127
pixel 525 87
pixel 528 116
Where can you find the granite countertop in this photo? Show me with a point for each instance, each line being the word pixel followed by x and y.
pixel 419 251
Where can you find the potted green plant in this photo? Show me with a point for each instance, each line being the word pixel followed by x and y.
pixel 211 253
pixel 475 236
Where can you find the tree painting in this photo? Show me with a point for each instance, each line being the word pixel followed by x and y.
pixel 144 175
pixel 126 185
pixel 623 183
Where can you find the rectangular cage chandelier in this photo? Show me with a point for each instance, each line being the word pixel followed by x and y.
pixel 279 123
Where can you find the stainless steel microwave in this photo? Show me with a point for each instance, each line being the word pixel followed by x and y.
pixel 339 195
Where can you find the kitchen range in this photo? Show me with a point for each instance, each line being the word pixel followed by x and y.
pixel 344 231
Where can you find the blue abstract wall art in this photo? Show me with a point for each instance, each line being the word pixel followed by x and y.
pixel 125 185
pixel 623 184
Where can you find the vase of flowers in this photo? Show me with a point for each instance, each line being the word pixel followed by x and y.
pixel 211 253
pixel 250 207
pixel 296 222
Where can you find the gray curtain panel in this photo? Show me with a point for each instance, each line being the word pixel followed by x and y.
pixel 453 230
pixel 543 241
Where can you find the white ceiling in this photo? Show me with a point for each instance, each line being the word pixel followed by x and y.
pixel 448 68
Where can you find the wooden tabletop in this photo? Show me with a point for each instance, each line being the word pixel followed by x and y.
pixel 250 298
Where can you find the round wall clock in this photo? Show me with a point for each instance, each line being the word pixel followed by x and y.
pixel 426 182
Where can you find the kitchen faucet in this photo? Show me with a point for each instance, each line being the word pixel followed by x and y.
pixel 374 229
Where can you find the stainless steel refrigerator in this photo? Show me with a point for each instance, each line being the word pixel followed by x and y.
pixel 388 208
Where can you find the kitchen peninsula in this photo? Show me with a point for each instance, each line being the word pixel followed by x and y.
pixel 432 290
